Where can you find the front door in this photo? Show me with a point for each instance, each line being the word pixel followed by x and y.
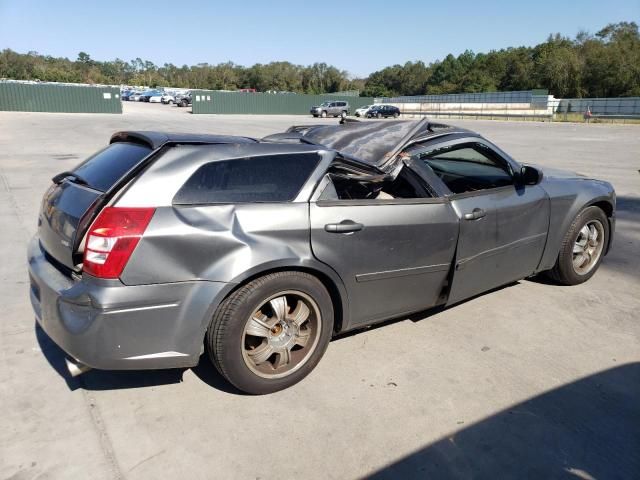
pixel 503 225
pixel 502 237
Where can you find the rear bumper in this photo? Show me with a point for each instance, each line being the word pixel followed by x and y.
pixel 108 325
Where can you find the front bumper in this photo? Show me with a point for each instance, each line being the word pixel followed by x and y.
pixel 108 325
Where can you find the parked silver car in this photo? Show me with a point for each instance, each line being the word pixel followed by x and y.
pixel 261 250
pixel 333 109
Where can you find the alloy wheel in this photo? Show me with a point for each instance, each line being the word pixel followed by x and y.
pixel 588 247
pixel 281 334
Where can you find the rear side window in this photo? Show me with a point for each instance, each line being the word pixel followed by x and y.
pixel 269 178
pixel 105 168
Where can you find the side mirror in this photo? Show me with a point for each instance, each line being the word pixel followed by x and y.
pixel 530 175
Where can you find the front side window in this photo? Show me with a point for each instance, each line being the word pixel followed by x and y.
pixel 268 178
pixel 468 167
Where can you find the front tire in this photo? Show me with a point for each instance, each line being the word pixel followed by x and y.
pixel 269 334
pixel 582 248
pixel 323 114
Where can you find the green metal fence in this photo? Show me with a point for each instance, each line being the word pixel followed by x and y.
pixel 51 97
pixel 208 101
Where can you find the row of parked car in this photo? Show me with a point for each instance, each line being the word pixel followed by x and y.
pixel 157 96
pixel 378 111
pixel 342 109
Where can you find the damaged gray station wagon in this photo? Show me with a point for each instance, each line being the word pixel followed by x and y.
pixel 260 251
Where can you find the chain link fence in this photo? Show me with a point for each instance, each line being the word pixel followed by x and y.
pixel 588 109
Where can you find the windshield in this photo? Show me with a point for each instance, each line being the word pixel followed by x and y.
pixel 325 104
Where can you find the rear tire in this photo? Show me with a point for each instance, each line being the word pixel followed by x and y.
pixel 396 114
pixel 582 248
pixel 253 329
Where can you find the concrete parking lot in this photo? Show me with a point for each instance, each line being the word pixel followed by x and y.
pixel 530 381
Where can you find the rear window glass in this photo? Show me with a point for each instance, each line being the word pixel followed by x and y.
pixel 269 178
pixel 105 168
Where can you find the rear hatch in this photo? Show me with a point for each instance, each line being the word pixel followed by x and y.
pixel 76 196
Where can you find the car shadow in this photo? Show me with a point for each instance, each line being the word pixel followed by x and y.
pixel 96 380
pixel 417 316
pixel 587 429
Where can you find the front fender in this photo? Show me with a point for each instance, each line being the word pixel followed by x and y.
pixel 568 197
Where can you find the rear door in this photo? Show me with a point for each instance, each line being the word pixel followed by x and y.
pixel 75 193
pixel 393 250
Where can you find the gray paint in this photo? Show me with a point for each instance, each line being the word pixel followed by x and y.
pixel 409 255
pixel 503 246
pixel 402 276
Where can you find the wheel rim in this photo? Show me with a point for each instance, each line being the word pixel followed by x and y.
pixel 588 247
pixel 281 334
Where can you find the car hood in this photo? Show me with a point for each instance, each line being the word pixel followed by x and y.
pixel 549 172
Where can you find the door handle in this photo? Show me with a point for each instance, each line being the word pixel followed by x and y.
pixel 345 226
pixel 475 214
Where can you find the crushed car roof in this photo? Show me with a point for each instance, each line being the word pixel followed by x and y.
pixel 375 143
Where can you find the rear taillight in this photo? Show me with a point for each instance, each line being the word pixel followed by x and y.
pixel 112 239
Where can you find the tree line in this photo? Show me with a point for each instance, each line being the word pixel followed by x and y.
pixel 279 76
pixel 606 64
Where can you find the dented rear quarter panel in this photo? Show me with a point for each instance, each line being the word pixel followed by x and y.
pixel 221 242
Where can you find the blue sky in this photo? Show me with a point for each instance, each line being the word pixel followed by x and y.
pixel 359 37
